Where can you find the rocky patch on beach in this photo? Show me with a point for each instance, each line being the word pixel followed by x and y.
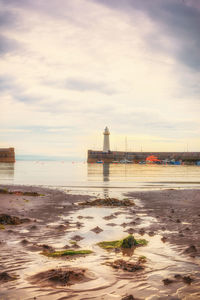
pixel 12 220
pixel 5 277
pixel 61 277
pixel 129 297
pixel 108 202
pixel 126 265
pixel 177 278
pixel 97 229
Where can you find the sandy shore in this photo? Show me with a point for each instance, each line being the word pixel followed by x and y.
pixel 168 220
pixel 177 214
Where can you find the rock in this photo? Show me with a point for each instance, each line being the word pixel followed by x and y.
pixel 177 276
pixel 5 277
pixel 187 279
pixel 126 266
pixel 62 276
pixel 77 238
pixel 142 231
pixel 130 230
pixel 129 297
pixel 110 217
pixel 61 227
pixel 163 239
pixel 151 233
pixel 79 225
pixel 190 249
pixel 167 281
pixel 24 242
pixel 11 220
pixel 97 229
pixel 111 224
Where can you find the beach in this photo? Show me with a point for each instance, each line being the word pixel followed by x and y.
pixel 52 219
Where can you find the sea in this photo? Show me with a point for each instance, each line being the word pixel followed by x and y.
pixel 83 176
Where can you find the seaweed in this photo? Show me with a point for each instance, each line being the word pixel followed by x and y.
pixel 69 252
pixel 128 242
pixel 108 202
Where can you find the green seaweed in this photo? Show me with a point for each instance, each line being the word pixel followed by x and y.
pixel 66 253
pixel 127 242
pixel 2 227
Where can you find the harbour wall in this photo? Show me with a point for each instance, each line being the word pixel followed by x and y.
pixel 7 155
pixel 136 157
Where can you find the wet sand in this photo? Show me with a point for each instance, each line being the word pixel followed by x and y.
pixel 168 220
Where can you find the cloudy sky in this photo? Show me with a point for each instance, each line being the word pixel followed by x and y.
pixel 68 68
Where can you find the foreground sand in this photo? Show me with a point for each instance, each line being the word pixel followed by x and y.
pixel 168 219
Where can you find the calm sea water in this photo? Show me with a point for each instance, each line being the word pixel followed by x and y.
pixel 90 176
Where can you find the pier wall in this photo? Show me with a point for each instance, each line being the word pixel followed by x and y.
pixel 94 156
pixel 7 155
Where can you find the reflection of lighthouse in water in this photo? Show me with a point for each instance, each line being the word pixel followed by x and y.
pixel 106 173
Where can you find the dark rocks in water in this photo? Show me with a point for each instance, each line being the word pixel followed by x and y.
pixel 77 238
pixel 46 247
pixel 97 229
pixel 177 276
pixel 34 227
pixel 24 242
pixel 126 266
pixel 108 202
pixel 130 230
pixel 190 249
pixel 129 297
pixel 11 220
pixel 164 239
pixel 124 224
pixel 167 281
pixel 5 277
pixel 178 221
pixel 62 276
pixel 109 217
pixel 61 227
pixel 151 233
pixel 187 228
pixel 111 224
pixel 142 231
pixel 187 279
pixel 172 211
pixel 79 224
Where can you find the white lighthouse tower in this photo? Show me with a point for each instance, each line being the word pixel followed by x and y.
pixel 106 141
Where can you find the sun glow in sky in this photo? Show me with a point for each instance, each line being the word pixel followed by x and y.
pixel 69 68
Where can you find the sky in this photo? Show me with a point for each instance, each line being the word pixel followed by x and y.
pixel 69 68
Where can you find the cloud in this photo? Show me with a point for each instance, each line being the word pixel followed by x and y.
pixel 8 19
pixel 87 85
pixel 178 22
pixel 7 45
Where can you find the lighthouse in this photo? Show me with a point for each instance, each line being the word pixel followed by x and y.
pixel 106 141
